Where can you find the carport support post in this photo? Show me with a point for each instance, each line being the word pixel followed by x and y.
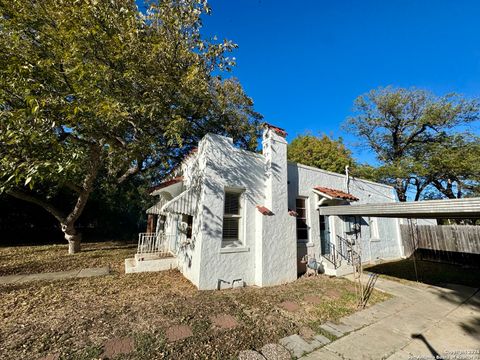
pixel 414 246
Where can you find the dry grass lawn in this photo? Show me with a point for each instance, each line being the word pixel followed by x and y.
pixel 74 318
pixel 52 258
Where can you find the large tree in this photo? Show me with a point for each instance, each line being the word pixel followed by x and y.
pixel 452 166
pixel 97 87
pixel 322 152
pixel 398 125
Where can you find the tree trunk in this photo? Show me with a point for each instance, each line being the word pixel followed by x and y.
pixel 74 245
pixel 73 238
pixel 401 191
pixel 68 222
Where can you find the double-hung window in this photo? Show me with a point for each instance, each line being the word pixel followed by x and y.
pixel 232 219
pixel 302 227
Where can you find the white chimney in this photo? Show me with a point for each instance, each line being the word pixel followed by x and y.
pixel 275 152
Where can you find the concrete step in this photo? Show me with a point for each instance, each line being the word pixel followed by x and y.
pixel 133 265
pixel 297 345
pixel 336 332
pixel 329 268
pixel 340 327
pixel 344 270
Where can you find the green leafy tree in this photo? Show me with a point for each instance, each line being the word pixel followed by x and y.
pixel 452 166
pixel 398 125
pixel 322 152
pixel 97 87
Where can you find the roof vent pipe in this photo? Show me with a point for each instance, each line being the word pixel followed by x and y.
pixel 347 179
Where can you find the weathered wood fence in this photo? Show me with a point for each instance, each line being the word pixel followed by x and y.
pixel 449 238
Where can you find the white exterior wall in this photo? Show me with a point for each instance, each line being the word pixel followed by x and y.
pixel 269 252
pixel 228 168
pixel 302 179
pixel 276 250
pixel 188 255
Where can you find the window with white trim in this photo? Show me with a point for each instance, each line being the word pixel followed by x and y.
pixel 232 219
pixel 374 234
pixel 302 227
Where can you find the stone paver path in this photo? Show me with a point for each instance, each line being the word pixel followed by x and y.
pixel 313 299
pixel 289 306
pixel 275 352
pixel 250 355
pixel 420 321
pixel 118 346
pixel 178 332
pixel 224 321
pixel 82 273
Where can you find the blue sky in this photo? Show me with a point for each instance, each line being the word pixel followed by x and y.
pixel 304 62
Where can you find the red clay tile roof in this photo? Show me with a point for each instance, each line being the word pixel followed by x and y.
pixel 337 194
pixel 264 210
pixel 167 183
pixel 278 131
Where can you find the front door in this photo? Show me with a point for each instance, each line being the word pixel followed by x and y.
pixel 325 234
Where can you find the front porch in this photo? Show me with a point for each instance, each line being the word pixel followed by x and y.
pixel 155 252
pixel 333 245
pixel 169 228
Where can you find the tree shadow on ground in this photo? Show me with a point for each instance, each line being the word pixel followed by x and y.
pixel 428 272
pixel 452 283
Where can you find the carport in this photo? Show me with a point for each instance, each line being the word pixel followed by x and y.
pixel 468 208
pixel 431 209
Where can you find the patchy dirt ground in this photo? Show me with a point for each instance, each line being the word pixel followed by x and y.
pixel 51 258
pixel 84 318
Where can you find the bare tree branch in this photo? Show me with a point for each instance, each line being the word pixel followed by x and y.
pixel 59 215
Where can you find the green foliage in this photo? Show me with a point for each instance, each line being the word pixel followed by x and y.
pixel 97 86
pixel 452 165
pixel 321 152
pixel 402 125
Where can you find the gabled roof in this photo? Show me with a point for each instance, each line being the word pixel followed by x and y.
pixel 335 194
pixel 166 183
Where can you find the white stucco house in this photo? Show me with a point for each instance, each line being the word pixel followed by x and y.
pixel 229 217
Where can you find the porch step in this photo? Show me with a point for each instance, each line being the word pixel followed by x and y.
pixel 136 265
pixel 329 268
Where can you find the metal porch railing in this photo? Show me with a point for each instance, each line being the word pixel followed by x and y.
pixel 156 244
pixel 331 254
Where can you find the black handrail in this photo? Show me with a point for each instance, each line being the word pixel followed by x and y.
pixel 331 254
pixel 347 252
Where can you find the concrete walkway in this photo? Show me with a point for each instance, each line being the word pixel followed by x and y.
pixel 420 322
pixel 82 273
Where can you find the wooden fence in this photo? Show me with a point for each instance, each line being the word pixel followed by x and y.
pixel 448 238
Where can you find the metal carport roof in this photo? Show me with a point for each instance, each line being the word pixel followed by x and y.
pixel 429 209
